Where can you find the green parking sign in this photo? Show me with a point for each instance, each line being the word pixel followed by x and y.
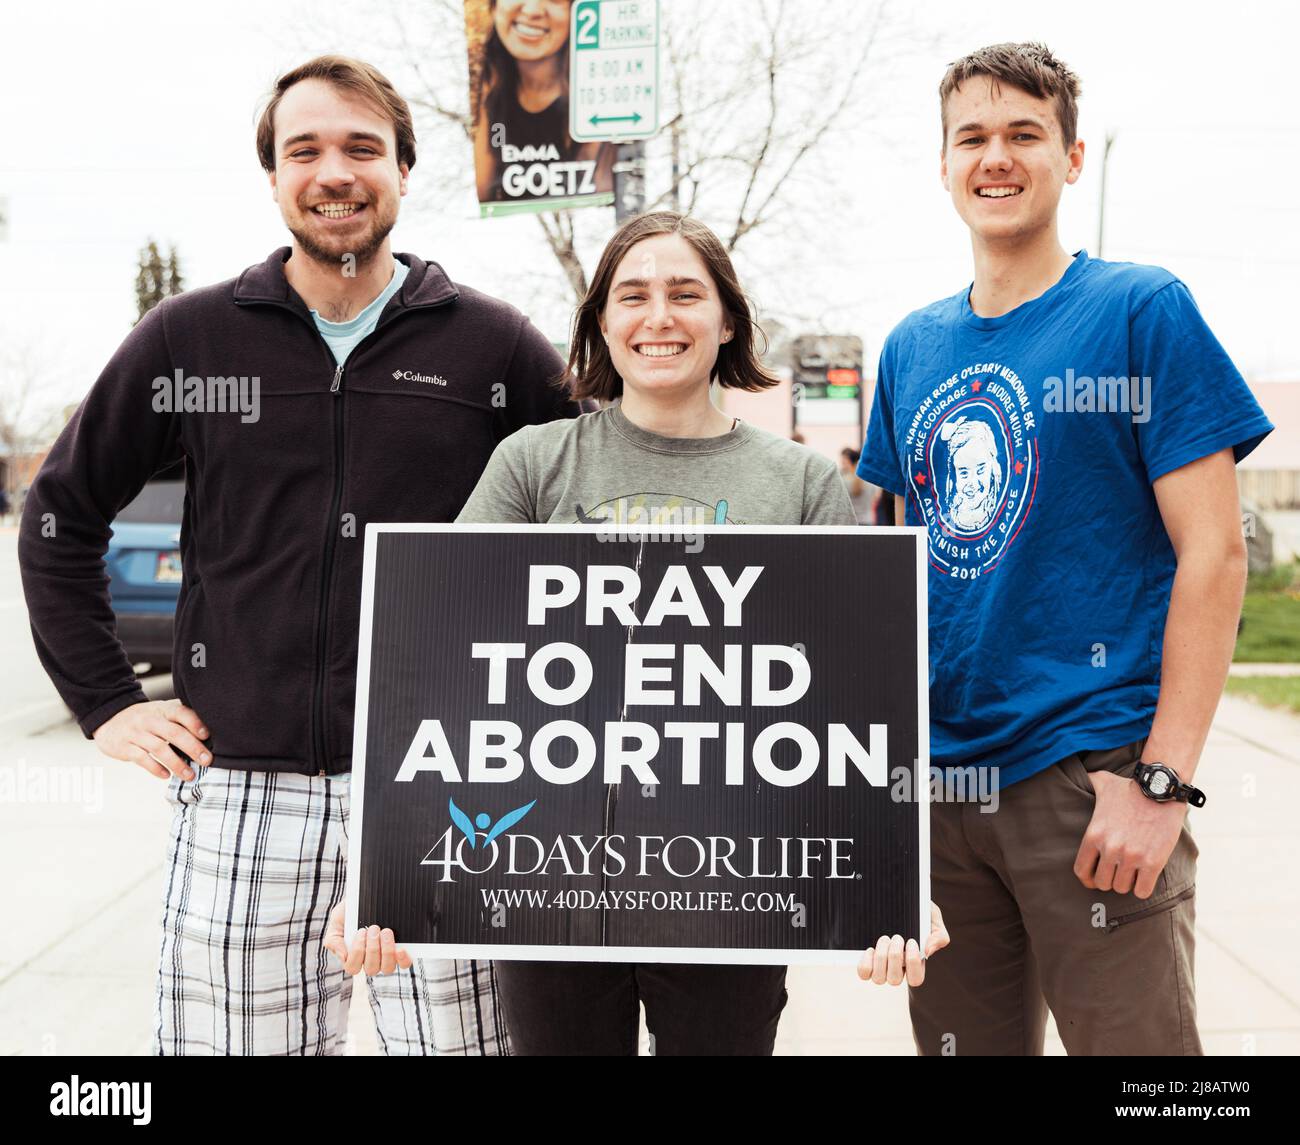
pixel 614 70
pixel 586 25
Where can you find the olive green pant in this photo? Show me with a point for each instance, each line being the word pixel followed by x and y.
pixel 1115 970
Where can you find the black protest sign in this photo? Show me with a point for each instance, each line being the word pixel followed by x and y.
pixel 701 748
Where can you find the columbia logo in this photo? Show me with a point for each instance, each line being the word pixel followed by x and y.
pixel 411 376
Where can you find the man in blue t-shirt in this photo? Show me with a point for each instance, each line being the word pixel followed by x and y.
pixel 1065 430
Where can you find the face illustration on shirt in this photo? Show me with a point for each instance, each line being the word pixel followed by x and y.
pixel 974 480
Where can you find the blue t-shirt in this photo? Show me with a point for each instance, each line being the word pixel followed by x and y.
pixel 1027 446
pixel 343 336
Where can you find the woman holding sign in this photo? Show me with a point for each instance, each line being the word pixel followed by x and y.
pixel 664 317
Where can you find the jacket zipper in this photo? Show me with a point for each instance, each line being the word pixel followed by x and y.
pixel 318 730
pixel 319 752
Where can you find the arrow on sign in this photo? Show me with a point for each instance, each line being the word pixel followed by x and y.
pixel 633 118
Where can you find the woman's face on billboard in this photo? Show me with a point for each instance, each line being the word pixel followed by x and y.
pixel 532 29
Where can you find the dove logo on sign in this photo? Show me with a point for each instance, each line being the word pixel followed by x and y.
pixel 483 822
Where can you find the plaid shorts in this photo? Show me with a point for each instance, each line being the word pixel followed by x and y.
pixel 255 863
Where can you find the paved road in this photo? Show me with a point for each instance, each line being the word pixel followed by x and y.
pixel 82 838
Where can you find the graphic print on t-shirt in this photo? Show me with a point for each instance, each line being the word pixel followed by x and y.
pixel 972 456
pixel 653 509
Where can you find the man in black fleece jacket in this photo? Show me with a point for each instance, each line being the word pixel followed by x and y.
pixel 332 385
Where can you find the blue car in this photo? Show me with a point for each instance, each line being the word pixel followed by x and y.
pixel 144 567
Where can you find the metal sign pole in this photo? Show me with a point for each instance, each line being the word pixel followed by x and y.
pixel 629 182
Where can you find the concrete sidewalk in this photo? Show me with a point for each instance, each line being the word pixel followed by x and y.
pixel 1264 670
pixel 1248 912
pixel 82 850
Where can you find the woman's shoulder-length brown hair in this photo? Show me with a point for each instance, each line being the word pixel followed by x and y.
pixel 591 371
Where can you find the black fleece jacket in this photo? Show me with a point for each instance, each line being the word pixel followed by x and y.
pixel 275 508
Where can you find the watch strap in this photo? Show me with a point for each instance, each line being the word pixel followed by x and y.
pixel 1179 792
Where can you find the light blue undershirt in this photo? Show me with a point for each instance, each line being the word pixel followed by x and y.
pixel 343 336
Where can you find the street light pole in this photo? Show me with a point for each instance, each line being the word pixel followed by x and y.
pixel 1101 212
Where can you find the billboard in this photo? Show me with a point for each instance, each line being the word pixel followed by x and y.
pixel 524 157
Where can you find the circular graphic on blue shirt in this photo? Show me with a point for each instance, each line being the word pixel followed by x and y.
pixel 969 456
pixel 977 474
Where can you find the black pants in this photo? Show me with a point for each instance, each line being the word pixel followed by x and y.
pixel 591 1008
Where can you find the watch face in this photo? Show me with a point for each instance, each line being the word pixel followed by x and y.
pixel 1159 783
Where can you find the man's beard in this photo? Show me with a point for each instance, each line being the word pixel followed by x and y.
pixel 973 512
pixel 362 248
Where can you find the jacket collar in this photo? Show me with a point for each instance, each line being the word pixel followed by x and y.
pixel 426 285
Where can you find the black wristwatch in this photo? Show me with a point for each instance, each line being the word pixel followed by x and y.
pixel 1162 784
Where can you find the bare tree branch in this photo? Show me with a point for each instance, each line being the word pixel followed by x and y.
pixel 773 63
pixel 828 121
pixel 558 228
pixel 749 105
pixel 29 415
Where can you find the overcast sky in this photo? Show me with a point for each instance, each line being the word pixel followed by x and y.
pixel 132 119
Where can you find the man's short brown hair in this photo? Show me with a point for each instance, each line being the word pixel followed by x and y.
pixel 1030 67
pixel 362 80
pixel 738 365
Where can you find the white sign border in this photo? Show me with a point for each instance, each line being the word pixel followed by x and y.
pixel 697 955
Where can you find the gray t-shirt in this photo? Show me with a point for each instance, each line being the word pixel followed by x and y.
pixel 600 469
